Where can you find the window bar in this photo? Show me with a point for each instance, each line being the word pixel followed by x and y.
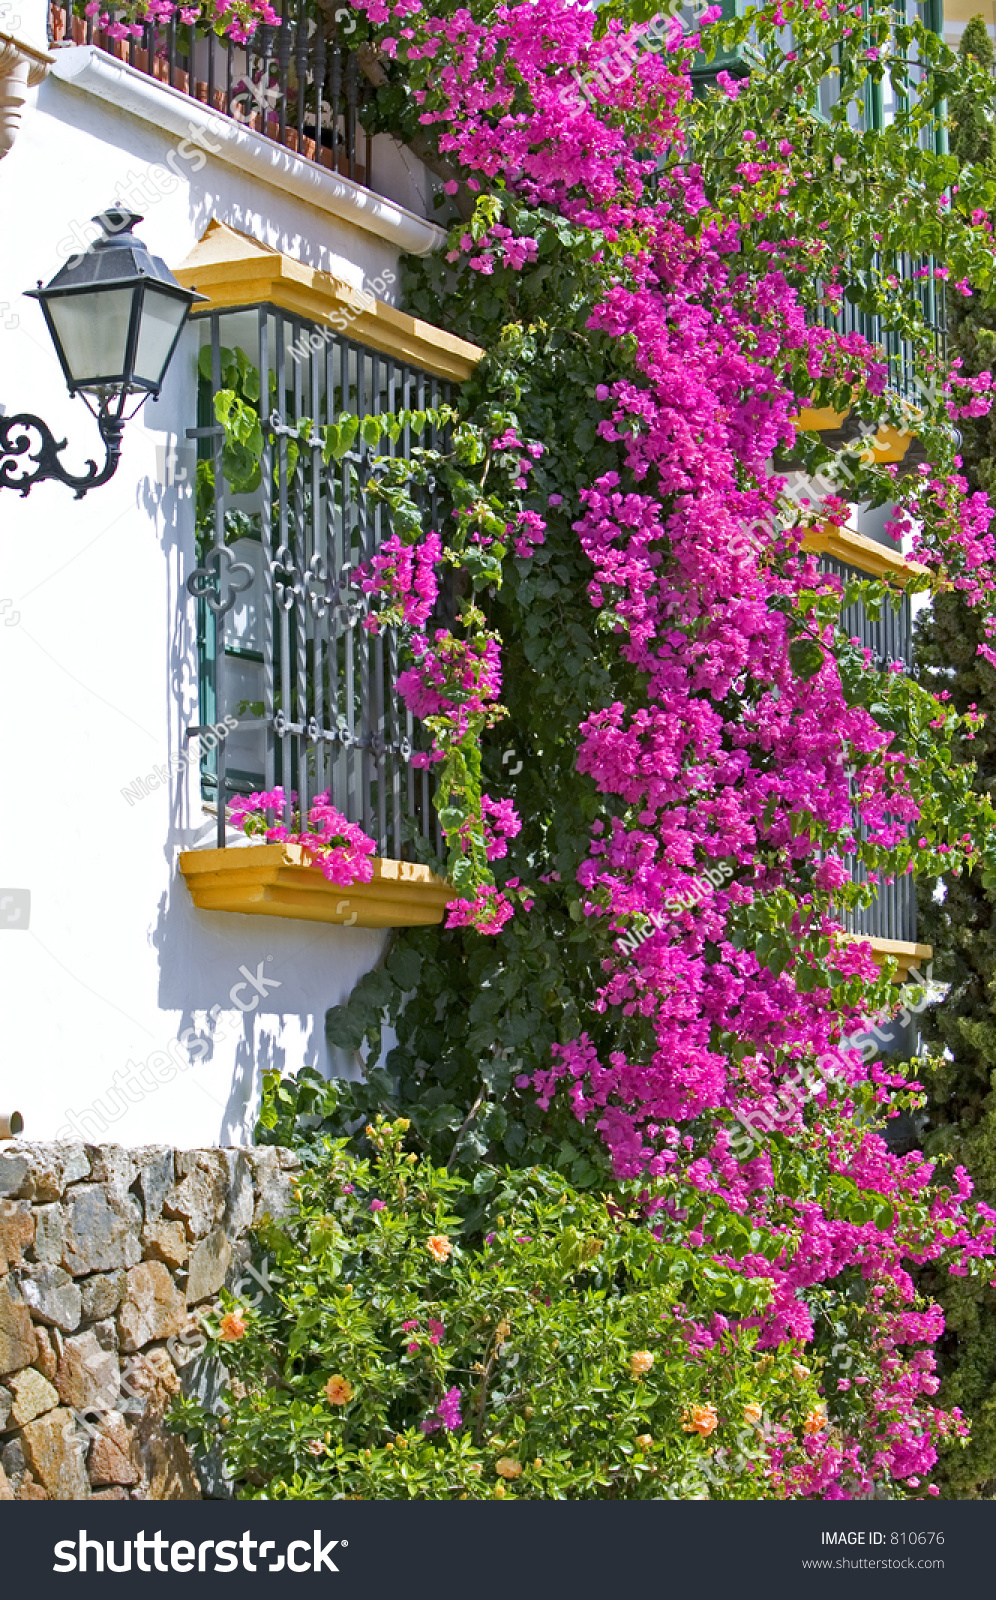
pixel 299 556
pixel 335 94
pixel 283 70
pixel 316 595
pixel 210 56
pixel 229 74
pixel 321 62
pixel 397 758
pixel 378 718
pixel 266 532
pixel 352 69
pixel 219 620
pixel 171 52
pixel 337 591
pixel 301 67
pixel 367 754
pixel 431 815
pixel 353 807
pixel 284 604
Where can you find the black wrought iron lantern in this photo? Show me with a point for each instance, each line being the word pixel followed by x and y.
pixel 115 314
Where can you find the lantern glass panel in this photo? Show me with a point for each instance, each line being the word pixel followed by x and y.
pixel 92 331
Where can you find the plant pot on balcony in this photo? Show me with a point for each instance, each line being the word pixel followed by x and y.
pixel 275 880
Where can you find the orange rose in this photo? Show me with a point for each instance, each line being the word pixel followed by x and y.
pixel 439 1246
pixel 640 1363
pixel 507 1468
pixel 752 1415
pixel 816 1420
pixel 231 1326
pixel 339 1389
pixel 702 1420
pixel 645 1441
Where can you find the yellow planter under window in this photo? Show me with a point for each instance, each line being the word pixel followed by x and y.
pixel 275 880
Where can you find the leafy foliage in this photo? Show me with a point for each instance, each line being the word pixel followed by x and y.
pixel 431 1337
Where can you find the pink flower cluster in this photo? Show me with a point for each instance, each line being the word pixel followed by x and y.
pixel 340 849
pixel 403 576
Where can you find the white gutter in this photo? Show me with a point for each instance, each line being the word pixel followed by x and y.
pixel 95 72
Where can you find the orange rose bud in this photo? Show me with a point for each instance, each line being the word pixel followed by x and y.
pixel 702 1420
pixel 640 1363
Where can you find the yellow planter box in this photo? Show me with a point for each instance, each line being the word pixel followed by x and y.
pixel 275 880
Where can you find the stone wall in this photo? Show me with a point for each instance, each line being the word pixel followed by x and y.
pixel 108 1256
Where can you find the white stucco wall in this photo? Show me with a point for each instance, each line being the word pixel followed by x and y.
pixel 98 663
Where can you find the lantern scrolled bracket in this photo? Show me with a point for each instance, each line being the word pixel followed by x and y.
pixel 29 453
pixel 115 314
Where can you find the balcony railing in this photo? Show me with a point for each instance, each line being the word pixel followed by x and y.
pixel 297 83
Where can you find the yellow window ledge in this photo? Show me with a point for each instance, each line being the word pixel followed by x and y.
pixel 274 880
pixel 888 444
pixel 904 955
pixel 870 557
pixel 233 270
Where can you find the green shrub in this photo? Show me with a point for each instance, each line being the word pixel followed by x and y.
pixel 561 1352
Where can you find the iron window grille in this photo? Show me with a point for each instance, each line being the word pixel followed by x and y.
pixel 892 913
pixel 282 647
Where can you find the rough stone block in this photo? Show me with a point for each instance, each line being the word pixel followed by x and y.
pixel 106 1334
pixel 52 1296
pixel 274 1195
pixel 156 1176
pixel 14 1170
pixel 17 1232
pixel 166 1242
pixel 33 1396
pixel 50 1234
pixel 6 1401
pixel 42 1172
pixel 200 1198
pixel 102 1230
pixel 6 1488
pixel 241 1195
pixel 112 1453
pixel 47 1360
pixel 18 1345
pixel 88 1376
pixel 102 1294
pixel 113 1165
pixel 12 1460
pixel 111 1494
pixel 153 1307
pixel 209 1262
pixel 166 1466
pixel 30 1490
pixel 54 1453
